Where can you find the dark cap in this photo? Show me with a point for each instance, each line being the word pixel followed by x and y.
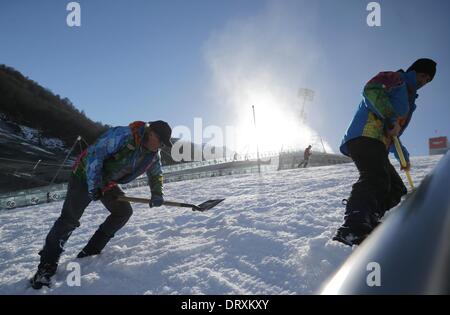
pixel 163 130
pixel 424 65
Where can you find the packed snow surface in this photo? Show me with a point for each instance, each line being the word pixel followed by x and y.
pixel 272 235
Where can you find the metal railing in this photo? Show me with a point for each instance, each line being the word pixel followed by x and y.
pixel 172 173
pixel 198 170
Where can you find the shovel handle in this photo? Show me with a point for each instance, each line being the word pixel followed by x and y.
pixel 133 199
pixel 403 160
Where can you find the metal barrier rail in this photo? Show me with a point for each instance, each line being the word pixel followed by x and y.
pixel 58 192
pixel 52 193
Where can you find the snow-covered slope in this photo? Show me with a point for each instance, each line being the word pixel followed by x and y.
pixel 27 158
pixel 270 236
pixel 30 137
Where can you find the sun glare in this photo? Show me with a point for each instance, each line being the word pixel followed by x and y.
pixel 278 125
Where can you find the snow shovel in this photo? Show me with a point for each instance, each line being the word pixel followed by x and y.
pixel 403 160
pixel 201 207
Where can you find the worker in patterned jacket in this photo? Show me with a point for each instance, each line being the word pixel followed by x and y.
pixel 385 111
pixel 118 156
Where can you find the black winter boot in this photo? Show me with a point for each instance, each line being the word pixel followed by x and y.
pixel 43 275
pixel 352 235
pixel 358 222
pixel 95 245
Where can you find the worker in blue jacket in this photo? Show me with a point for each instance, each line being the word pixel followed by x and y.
pixel 385 111
pixel 118 156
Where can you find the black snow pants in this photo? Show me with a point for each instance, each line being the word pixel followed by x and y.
pixel 77 199
pixel 379 187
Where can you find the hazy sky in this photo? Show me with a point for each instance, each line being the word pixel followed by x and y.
pixel 213 59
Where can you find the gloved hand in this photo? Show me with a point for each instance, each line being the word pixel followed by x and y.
pixel 407 167
pixel 394 130
pixel 156 201
pixel 96 194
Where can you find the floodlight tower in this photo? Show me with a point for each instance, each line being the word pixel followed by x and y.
pixel 307 95
pixel 304 95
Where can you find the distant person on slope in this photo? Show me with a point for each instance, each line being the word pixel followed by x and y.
pixel 306 155
pixel 385 111
pixel 120 155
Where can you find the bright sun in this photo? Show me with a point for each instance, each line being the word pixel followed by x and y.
pixel 277 126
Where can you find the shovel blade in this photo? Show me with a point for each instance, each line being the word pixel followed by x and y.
pixel 208 205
